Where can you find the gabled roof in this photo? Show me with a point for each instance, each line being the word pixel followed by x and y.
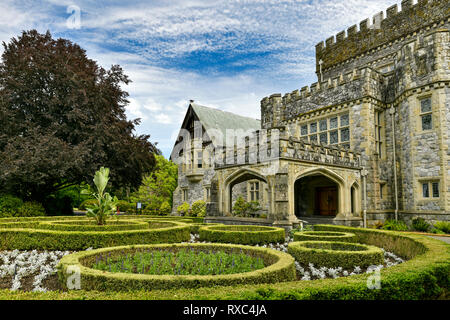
pixel 222 120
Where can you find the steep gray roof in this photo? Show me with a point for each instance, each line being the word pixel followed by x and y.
pixel 222 120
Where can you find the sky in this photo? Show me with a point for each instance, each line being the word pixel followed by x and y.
pixel 225 54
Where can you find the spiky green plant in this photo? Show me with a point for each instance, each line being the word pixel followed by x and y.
pixel 105 205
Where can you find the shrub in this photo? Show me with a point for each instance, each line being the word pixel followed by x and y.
pixel 55 206
pixel 165 209
pixel 242 208
pixel 29 237
pixel 195 227
pixel 443 226
pixel 124 206
pixel 183 209
pixel 198 208
pixel 332 254
pixel 279 268
pixel 242 234
pixel 395 225
pixel 9 205
pixel 30 209
pixel 419 224
pixel 324 236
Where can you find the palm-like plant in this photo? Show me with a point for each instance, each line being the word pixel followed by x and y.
pixel 105 205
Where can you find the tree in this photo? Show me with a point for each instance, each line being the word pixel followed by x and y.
pixel 63 117
pixel 158 186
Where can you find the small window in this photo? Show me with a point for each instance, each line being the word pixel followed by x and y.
pixel 435 189
pixel 345 135
pixel 304 130
pixel 425 190
pixel 313 127
pixel 184 195
pixel 334 137
pixel 344 120
pixel 199 159
pixel 426 114
pixel 323 125
pixel 207 194
pixel 333 123
pixel 254 191
pixel 381 190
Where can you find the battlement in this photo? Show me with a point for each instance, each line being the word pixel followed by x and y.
pixel 353 85
pixel 381 29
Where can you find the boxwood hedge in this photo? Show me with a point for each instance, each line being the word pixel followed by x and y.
pixel 333 254
pixel 27 237
pixel 324 236
pixel 195 227
pixel 242 234
pixel 279 268
pixel 77 225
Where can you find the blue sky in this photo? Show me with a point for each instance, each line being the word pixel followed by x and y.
pixel 227 54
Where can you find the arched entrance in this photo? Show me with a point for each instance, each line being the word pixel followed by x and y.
pixel 316 195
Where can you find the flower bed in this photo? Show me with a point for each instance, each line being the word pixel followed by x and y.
pixel 27 236
pixel 324 236
pixel 335 254
pixel 278 267
pixel 242 234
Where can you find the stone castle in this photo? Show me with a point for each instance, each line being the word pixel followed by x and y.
pixel 367 142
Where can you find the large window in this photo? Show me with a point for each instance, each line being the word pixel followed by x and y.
pixel 330 131
pixel 426 114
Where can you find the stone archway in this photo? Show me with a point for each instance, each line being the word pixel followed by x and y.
pixel 318 192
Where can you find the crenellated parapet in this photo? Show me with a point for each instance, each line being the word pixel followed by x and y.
pixel 357 84
pixel 381 30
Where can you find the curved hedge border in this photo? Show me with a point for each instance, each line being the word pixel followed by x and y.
pixel 27 237
pixel 242 234
pixel 280 268
pixel 334 254
pixel 76 225
pixel 324 236
pixel 195 227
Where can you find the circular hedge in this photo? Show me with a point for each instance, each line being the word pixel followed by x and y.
pixel 279 267
pixel 80 234
pixel 333 254
pixel 195 227
pixel 324 236
pixel 242 234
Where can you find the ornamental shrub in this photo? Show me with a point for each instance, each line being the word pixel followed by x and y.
pixel 124 206
pixel 242 208
pixel 419 224
pixel 324 236
pixel 443 226
pixel 242 234
pixel 30 209
pixel 198 208
pixel 395 225
pixel 183 209
pixel 9 205
pixel 87 203
pixel 165 209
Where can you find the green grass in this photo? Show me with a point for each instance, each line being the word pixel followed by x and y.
pixel 182 262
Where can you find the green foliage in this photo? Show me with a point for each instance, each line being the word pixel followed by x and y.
pixel 55 206
pixel 195 227
pixel 443 226
pixel 332 254
pixel 165 209
pixel 74 193
pixel 396 225
pixel 125 206
pixel 27 236
pixel 105 205
pixel 242 208
pixel 158 187
pixel 87 203
pixel 198 208
pixel 242 234
pixel 183 209
pixel 279 268
pixel 30 209
pixel 9 205
pixel 180 262
pixel 324 236
pixel 419 224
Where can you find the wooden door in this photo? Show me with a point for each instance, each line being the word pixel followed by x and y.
pixel 326 201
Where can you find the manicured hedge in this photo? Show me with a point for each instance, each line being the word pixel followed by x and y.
pixel 279 268
pixel 76 225
pixel 324 236
pixel 195 227
pixel 334 254
pixel 26 237
pixel 242 234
